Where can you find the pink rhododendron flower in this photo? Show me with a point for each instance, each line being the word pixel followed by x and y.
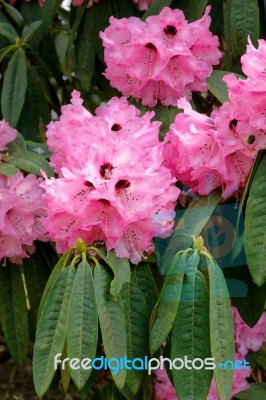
pixel 248 339
pixel 208 152
pixel 21 207
pixel 112 185
pixel 248 95
pixel 160 59
pixel 7 135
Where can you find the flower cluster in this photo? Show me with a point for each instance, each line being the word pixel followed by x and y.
pixel 112 186
pixel 20 208
pixel 249 95
pixel 208 152
pixel 246 339
pixel 161 59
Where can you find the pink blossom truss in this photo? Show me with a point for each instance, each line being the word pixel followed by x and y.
pixel 248 95
pixel 210 152
pixel 20 211
pixel 161 59
pixel 112 184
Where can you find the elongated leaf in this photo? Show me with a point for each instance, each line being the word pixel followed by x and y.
pixel 231 51
pixel 169 302
pixel 156 8
pixel 256 391
pixel 217 86
pixel 17 144
pixel 221 328
pixel 52 330
pixel 36 276
pixel 245 14
pixel 49 10
pixel 255 224
pixel 5 51
pixel 15 81
pixel 82 334
pixel 8 169
pixel 193 9
pixel 8 32
pixel 13 313
pixel 62 263
pixel 192 222
pixel 35 109
pixel 112 321
pixel 251 303
pixel 191 337
pixel 137 326
pixel 30 12
pixel 13 13
pixel 39 148
pixel 30 162
pixel 260 357
pixel 141 276
pixel 86 51
pixel 121 270
pixel 29 30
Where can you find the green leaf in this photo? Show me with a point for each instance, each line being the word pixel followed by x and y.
pixel 17 144
pixel 141 276
pixel 70 49
pixel 191 338
pixel 112 321
pixel 35 110
pixel 221 328
pixel 260 357
pixel 156 8
pixel 15 82
pixel 60 266
pixel 82 334
pixel 29 30
pixel 256 391
pixel 193 9
pixel 251 305
pixel 245 14
pixel 255 223
pixel 5 51
pixel 13 14
pixel 30 12
pixel 36 276
pixel 217 86
pixel 121 270
pixel 137 326
pixel 169 302
pixel 8 32
pixel 39 148
pixel 49 10
pixel 29 162
pixel 52 330
pixel 85 49
pixel 8 169
pixel 192 222
pixel 13 312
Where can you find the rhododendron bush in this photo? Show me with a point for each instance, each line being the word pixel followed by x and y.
pixel 133 197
